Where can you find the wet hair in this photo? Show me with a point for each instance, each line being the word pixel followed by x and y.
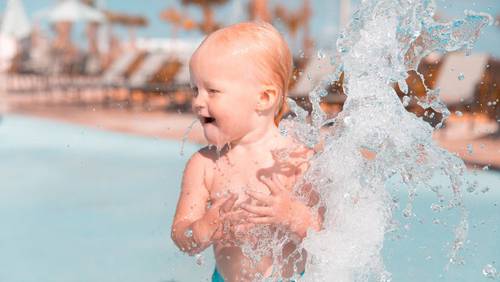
pixel 269 52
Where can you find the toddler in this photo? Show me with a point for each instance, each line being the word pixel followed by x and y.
pixel 244 185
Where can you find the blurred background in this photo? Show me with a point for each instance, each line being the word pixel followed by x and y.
pixel 96 127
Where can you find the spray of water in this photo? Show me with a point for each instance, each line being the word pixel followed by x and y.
pixel 186 135
pixel 385 39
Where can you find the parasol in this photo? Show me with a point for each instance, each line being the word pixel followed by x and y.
pixel 74 11
pixel 15 23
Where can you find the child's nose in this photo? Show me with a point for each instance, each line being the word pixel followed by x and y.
pixel 198 102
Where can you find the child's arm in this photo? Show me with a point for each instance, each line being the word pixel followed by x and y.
pixel 195 226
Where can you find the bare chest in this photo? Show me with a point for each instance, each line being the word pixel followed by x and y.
pixel 243 174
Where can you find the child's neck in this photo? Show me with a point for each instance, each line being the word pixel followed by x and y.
pixel 257 139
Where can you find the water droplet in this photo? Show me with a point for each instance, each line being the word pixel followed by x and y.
pixel 461 76
pixel 406 100
pixel 283 131
pixel 188 233
pixel 403 86
pixel 469 148
pixel 489 271
pixel 485 190
pixel 199 259
pixel 342 49
pixel 471 188
pixel 436 208
pixel 407 212
pixel 347 121
pixel 385 277
pixel 321 55
pixel 459 113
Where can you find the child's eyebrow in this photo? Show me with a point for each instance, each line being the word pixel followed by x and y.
pixel 208 84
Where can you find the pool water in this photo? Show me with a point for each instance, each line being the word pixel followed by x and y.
pixel 81 204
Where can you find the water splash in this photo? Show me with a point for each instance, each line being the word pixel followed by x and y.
pixel 489 271
pixel 186 135
pixel 384 41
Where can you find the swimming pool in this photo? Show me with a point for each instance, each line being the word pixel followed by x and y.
pixel 80 204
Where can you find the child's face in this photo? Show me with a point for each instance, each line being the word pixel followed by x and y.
pixel 225 93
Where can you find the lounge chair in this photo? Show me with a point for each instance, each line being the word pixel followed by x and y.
pixel 155 77
pixel 459 80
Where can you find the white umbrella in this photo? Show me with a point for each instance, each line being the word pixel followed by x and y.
pixel 74 11
pixel 15 23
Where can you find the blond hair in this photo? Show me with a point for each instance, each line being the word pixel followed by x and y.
pixel 270 51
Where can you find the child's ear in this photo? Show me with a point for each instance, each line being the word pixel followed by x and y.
pixel 267 98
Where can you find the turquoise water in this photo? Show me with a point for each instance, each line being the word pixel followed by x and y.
pixel 80 204
pixel 422 253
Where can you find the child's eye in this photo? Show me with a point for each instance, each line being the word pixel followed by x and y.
pixel 194 90
pixel 213 91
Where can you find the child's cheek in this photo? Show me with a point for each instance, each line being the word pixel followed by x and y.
pixel 214 135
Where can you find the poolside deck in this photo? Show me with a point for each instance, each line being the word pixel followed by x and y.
pixel 157 124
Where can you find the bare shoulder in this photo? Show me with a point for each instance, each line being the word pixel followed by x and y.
pixel 201 164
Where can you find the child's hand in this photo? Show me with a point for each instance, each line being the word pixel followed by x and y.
pixel 210 225
pixel 230 219
pixel 279 207
pixel 233 224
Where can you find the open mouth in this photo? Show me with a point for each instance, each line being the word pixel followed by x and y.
pixel 205 120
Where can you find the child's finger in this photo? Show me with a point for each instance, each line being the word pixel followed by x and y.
pixel 261 220
pixel 277 182
pixel 217 235
pixel 266 199
pixel 229 203
pixel 271 185
pixel 262 211
pixel 236 216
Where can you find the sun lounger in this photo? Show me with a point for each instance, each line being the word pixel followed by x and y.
pixel 458 79
pixel 156 76
pixel 114 77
